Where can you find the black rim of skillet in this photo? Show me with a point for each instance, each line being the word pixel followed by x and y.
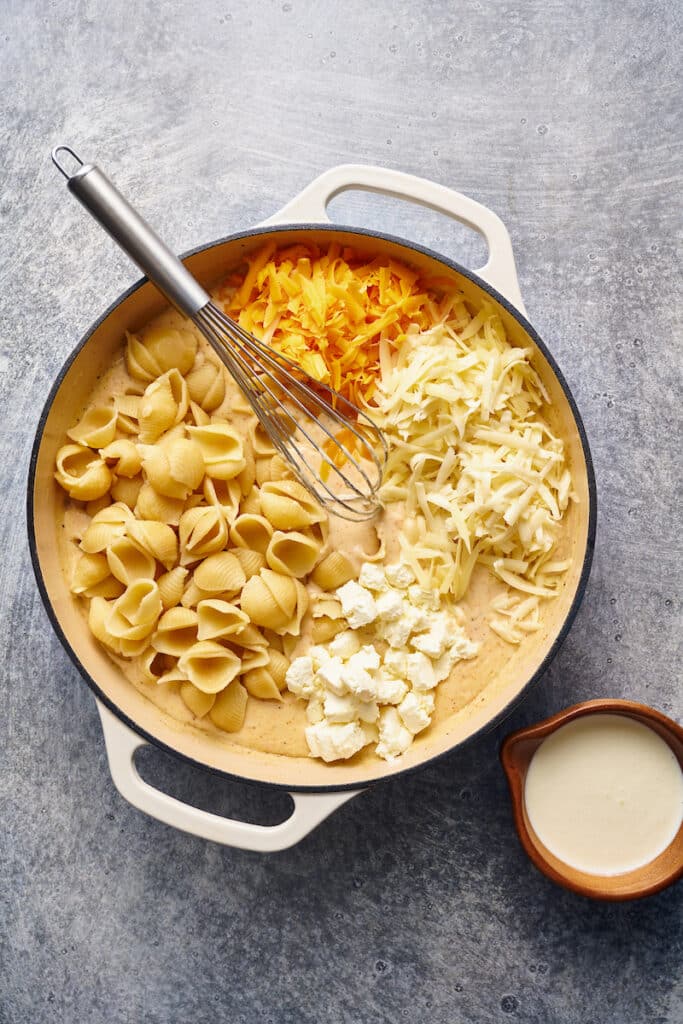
pixel 566 625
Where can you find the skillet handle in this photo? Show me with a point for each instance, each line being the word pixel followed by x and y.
pixel 310 206
pixel 309 808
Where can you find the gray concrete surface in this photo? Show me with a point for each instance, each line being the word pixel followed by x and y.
pixel 415 902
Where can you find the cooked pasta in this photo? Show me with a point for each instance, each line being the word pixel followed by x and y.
pixel 171 586
pixel 252 532
pixel 288 505
pixel 206 385
pixel 209 666
pixel 152 505
pixel 123 457
pixel 251 561
pixel 220 573
pixel 82 473
pixel 104 527
pixel 198 702
pixel 203 531
pixel 163 405
pixel 97 427
pixel 158 350
pixel 333 571
pixel 218 619
pixel 156 538
pixel 174 469
pixel 294 554
pixel 129 562
pixel 88 571
pixel 222 448
pixel 176 632
pixel 229 709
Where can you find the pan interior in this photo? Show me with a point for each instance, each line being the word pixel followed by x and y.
pixel 481 690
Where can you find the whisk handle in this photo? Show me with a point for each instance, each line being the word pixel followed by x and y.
pixel 118 218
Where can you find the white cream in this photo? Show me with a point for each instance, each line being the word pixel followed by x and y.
pixel 604 794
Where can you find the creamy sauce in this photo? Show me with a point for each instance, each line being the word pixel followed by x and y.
pixel 604 794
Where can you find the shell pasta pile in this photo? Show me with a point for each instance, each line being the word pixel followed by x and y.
pixel 198 541
pixel 210 574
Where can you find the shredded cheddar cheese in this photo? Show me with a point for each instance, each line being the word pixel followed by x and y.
pixel 329 311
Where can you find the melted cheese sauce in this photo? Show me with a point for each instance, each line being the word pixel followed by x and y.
pixel 604 794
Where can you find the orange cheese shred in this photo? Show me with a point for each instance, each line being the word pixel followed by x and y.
pixel 329 309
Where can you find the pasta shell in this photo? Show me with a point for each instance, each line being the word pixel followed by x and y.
pixel 334 571
pixel 175 469
pixel 326 606
pixel 193 594
pixel 247 477
pixel 82 473
pixel 225 494
pixel 294 625
pixel 203 531
pixel 106 526
pixel 128 412
pixel 134 615
pixel 289 506
pixel 259 683
pixel 222 449
pixel 156 538
pixel 219 619
pixel 154 506
pixel 161 348
pixel 186 462
pixel 262 470
pixel 324 629
pixel 126 490
pixel 164 403
pixel 96 428
pixel 89 570
pixel 98 614
pixel 292 554
pixel 280 469
pixel 171 586
pixel 132 648
pixel 251 561
pixel 252 532
pixel 230 708
pixel 199 417
pixel 206 384
pixel 221 573
pixel 151 665
pixel 263 446
pixel 140 363
pixel 176 631
pixel 172 675
pixel 278 665
pixel 250 638
pixel 124 457
pixel 251 505
pixel 128 562
pixel 173 348
pixel 256 657
pixel 199 703
pixel 270 599
pixel 109 588
pixel 209 666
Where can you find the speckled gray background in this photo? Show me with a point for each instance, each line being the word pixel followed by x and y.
pixel 413 903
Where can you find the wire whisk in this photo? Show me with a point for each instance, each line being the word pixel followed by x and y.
pixel 334 448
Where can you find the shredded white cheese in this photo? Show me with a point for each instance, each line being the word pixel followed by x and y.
pixel 481 475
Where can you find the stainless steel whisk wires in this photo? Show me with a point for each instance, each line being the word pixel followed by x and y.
pixel 285 399
pixel 304 418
